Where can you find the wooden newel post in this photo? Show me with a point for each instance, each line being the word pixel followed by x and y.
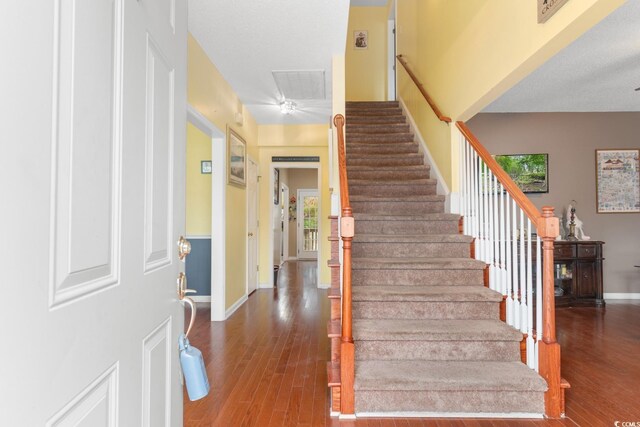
pixel 548 347
pixel 347 350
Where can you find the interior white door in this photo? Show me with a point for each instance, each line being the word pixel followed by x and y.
pixel 252 226
pixel 284 202
pixel 92 159
pixel 307 224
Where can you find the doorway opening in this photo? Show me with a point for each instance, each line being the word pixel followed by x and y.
pixel 206 270
pixel 295 230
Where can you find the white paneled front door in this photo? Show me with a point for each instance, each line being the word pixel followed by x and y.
pixel 308 209
pixel 92 158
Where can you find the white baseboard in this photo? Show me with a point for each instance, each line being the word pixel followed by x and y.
pixel 442 187
pixel 236 305
pixel 291 258
pixel 324 286
pixel 265 286
pixel 447 415
pixel 346 417
pixel 201 298
pixel 616 295
pixel 334 414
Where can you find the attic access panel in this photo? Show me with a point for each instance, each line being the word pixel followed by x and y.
pixel 301 84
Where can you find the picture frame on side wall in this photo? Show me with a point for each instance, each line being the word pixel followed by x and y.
pixel 276 186
pixel 617 181
pixel 236 159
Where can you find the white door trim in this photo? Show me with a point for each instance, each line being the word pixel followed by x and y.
pixel 296 165
pixel 391 58
pixel 284 193
pixel 257 236
pixel 218 210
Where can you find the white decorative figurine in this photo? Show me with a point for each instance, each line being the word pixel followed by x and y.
pixel 573 225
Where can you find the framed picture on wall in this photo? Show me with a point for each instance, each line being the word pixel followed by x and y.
pixel 276 186
pixel 236 159
pixel 360 39
pixel 617 181
pixel 205 166
pixel 529 171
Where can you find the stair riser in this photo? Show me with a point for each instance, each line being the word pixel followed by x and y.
pixel 506 351
pixel 424 310
pixel 358 160
pixel 383 120
pixel 377 128
pixel 384 277
pixel 372 104
pixel 411 250
pixel 378 138
pixel 393 190
pixel 489 402
pixel 372 112
pixel 406 227
pixel 382 175
pixel 383 149
pixel 408 208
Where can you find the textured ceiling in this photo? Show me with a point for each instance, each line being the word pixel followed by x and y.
pixel 249 39
pixel 597 72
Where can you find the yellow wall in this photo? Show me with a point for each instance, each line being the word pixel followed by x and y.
pixel 366 69
pixel 468 52
pixel 198 199
pixel 211 95
pixel 293 140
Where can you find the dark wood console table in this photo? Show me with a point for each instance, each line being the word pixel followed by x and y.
pixel 578 272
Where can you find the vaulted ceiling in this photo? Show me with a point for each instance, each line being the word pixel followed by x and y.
pixel 598 72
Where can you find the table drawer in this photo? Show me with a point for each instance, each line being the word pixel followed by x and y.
pixel 564 251
pixel 587 251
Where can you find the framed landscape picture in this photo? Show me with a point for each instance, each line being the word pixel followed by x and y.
pixel 529 171
pixel 617 181
pixel 236 159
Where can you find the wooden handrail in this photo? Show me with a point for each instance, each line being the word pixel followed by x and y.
pixel 512 188
pixel 547 226
pixel 347 349
pixel 424 93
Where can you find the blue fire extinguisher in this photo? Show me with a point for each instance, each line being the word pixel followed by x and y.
pixel 192 362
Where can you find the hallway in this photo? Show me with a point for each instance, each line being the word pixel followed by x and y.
pixel 267 363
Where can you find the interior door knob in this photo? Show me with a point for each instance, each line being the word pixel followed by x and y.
pixel 184 248
pixel 250 234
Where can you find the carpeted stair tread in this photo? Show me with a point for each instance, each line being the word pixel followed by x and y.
pixel 413 198
pixel 418 375
pixel 417 264
pixel 367 168
pixel 413 238
pixel 403 182
pixel 423 217
pixel 425 293
pixel 433 330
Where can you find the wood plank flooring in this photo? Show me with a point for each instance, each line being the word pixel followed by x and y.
pixel 267 363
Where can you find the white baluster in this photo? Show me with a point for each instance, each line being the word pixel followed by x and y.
pixel 515 268
pixel 538 297
pixel 509 237
pixel 485 222
pixel 503 244
pixel 523 278
pixel 476 205
pixel 530 343
pixel 496 236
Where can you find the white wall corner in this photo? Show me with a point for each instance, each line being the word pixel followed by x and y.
pixel 442 187
pixel 236 305
pixel 452 203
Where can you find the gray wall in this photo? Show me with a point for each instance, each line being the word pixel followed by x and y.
pixel 571 140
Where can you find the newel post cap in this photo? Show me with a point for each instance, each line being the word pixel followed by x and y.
pixel 548 224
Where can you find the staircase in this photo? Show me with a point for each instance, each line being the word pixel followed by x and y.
pixel 427 332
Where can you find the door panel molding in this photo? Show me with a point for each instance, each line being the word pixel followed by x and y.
pixel 156 375
pixel 85 236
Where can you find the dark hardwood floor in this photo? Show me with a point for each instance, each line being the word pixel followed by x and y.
pixel 267 363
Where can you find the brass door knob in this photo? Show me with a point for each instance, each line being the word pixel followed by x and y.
pixel 250 234
pixel 184 248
